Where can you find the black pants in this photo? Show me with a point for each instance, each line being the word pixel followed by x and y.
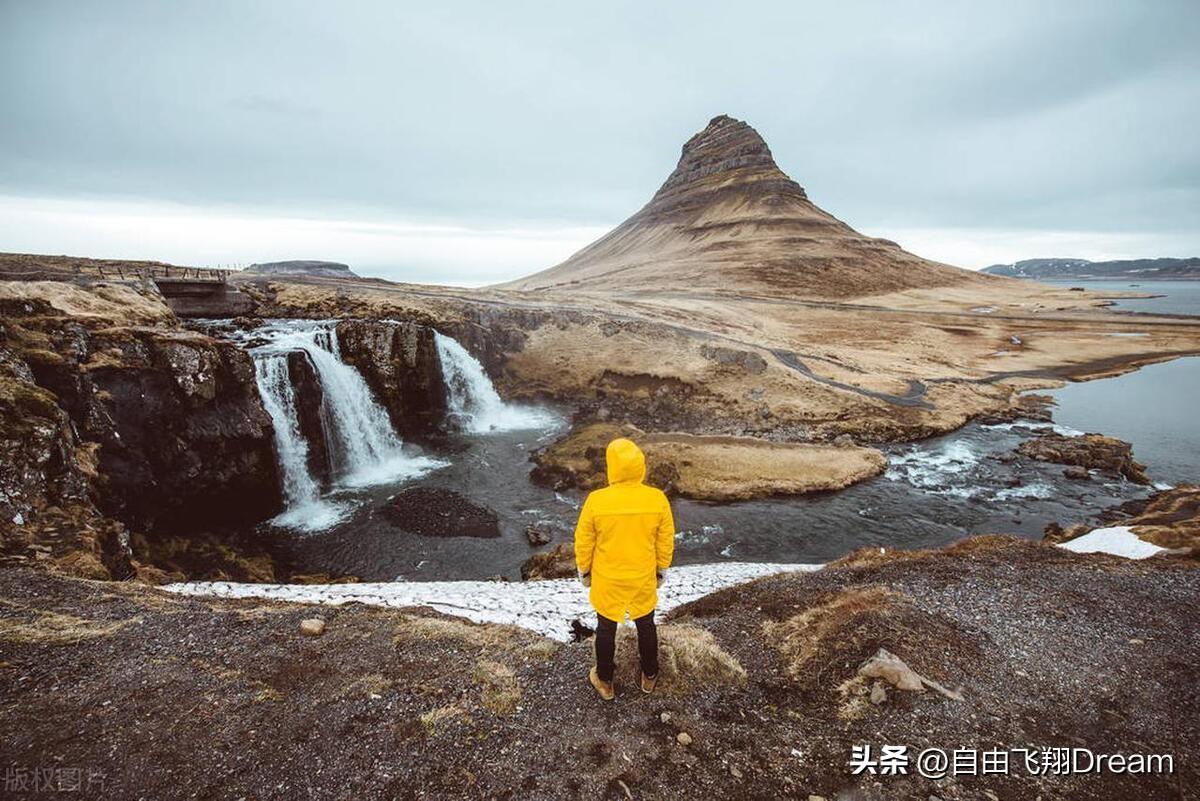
pixel 606 645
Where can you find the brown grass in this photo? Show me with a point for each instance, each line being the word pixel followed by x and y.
pixel 54 628
pixel 689 658
pixel 434 721
pixel 489 636
pixel 718 468
pixel 366 686
pixel 499 690
pixel 803 636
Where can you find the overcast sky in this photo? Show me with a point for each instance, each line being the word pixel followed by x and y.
pixel 472 142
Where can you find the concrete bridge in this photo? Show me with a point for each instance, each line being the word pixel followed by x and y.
pixel 189 291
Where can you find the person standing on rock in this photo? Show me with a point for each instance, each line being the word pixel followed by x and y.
pixel 623 546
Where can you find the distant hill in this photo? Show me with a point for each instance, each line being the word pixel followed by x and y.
pixel 324 269
pixel 1142 269
pixel 728 220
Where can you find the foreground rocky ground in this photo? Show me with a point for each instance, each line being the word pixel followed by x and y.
pixel 155 696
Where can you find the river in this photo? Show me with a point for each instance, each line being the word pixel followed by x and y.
pixel 934 492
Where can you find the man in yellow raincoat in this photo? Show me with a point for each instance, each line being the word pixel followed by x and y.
pixel 623 546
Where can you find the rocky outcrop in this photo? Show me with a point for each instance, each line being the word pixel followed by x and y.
pixel 310 410
pixel 399 361
pixel 166 425
pixel 38 461
pixel 1169 519
pixel 709 468
pixel 558 562
pixel 322 269
pixel 437 512
pixel 1089 451
pixel 208 457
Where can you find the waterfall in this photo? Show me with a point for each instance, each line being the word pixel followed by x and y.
pixel 362 445
pixel 473 399
pixel 303 507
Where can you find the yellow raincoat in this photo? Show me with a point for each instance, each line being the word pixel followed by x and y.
pixel 625 535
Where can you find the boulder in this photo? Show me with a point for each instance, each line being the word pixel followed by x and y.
pixel 400 363
pixel 1089 451
pixel 537 535
pixel 558 562
pixel 892 669
pixel 437 512
pixel 746 360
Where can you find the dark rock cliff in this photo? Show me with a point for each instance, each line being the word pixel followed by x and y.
pixel 171 421
pixel 400 363
pixel 310 409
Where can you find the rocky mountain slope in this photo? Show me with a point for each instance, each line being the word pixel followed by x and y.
pixel 729 219
pixel 1133 269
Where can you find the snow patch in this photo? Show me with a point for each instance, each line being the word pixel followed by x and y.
pixel 547 607
pixel 1117 540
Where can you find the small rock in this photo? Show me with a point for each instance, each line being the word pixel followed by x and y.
pixel 665 717
pixel 536 536
pixel 878 693
pixel 312 626
pixel 816 798
pixel 735 771
pixel 844 441
pixel 1076 472
pixel 683 738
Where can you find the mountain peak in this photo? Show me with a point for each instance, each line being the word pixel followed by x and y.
pixel 728 220
pixel 732 151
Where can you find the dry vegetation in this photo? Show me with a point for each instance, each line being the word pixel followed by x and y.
pixel 803 636
pixel 713 468
pixel 689 659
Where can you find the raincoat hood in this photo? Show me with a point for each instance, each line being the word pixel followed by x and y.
pixel 626 462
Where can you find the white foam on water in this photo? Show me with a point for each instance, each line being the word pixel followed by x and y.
pixel 935 470
pixel 1036 490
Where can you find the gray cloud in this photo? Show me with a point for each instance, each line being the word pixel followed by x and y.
pixel 1072 116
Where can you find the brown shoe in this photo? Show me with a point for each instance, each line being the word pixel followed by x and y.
pixel 605 688
pixel 648 683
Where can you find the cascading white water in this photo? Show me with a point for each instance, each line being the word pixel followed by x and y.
pixel 303 507
pixel 473 399
pixel 362 445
